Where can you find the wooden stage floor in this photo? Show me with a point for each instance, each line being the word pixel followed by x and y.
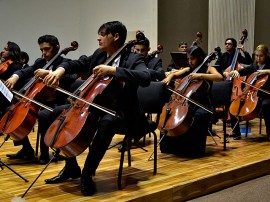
pixel 177 179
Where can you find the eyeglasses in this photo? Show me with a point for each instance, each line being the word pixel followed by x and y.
pixel 228 44
pixel 183 46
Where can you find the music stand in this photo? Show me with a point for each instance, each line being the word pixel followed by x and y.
pixel 179 59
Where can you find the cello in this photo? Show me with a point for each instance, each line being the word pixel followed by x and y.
pixel 177 115
pixel 245 106
pixel 236 84
pixel 4 65
pixel 70 132
pixel 20 118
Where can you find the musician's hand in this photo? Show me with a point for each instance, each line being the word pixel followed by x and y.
pixel 168 79
pixel 195 76
pixel 234 74
pixel 53 77
pixel 10 83
pixel 226 74
pixel 41 73
pixel 240 46
pixel 104 70
pixel 263 71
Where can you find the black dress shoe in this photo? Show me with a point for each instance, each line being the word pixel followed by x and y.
pixel 22 154
pixel 64 175
pixel 88 187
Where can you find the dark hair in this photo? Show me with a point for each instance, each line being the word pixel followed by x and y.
pixel 14 51
pixel 144 42
pixel 24 56
pixel 52 40
pixel 196 52
pixel 114 27
pixel 182 43
pixel 234 42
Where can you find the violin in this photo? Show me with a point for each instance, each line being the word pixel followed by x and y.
pixel 177 115
pixel 237 85
pixel 20 118
pixel 4 65
pixel 71 131
pixel 245 106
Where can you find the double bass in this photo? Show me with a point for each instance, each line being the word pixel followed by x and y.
pixel 20 118
pixel 70 132
pixel 177 115
pixel 236 84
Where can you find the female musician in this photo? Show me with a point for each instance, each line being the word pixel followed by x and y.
pixel 131 69
pixel 261 65
pixel 153 64
pixel 11 54
pixel 192 143
pixel 49 46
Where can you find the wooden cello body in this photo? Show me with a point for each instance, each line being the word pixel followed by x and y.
pixel 21 117
pixel 70 132
pixel 245 106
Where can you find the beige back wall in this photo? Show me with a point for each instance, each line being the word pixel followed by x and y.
pixel 180 20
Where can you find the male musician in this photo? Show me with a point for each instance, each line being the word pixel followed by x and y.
pixel 49 46
pixel 24 59
pixel 153 63
pixel 225 59
pixel 128 67
pixel 223 62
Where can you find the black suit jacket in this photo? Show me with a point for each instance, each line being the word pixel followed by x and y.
pixel 155 67
pixel 133 71
pixel 27 73
pixel 223 60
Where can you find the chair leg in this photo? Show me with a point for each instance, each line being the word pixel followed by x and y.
pixel 260 131
pixel 37 142
pixel 155 153
pixel 247 124
pixel 224 135
pixel 120 171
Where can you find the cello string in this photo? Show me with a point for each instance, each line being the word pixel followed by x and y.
pixel 265 91
pixel 190 100
pixel 111 112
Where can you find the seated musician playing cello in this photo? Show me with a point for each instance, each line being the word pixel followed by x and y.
pixel 128 67
pixel 192 143
pixel 11 55
pixel 262 66
pixel 49 46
